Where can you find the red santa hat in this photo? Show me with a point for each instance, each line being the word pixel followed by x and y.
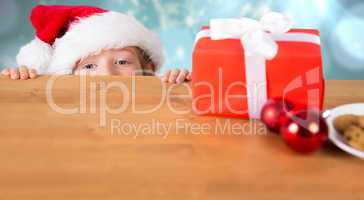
pixel 66 34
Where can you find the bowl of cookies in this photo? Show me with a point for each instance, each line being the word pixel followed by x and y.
pixel 346 128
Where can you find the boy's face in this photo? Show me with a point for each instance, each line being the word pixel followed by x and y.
pixel 124 62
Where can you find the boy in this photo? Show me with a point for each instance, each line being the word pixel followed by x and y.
pixel 85 40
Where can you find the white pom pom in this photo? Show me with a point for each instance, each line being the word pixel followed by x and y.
pixel 36 55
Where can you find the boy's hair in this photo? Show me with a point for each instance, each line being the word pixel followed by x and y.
pixel 145 62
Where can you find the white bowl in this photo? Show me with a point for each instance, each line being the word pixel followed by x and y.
pixel 337 138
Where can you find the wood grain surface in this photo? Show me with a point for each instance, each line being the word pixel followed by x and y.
pixel 169 153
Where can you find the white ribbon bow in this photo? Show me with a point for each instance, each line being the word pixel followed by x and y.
pixel 255 36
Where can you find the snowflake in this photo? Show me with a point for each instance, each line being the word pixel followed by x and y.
pixel 180 52
pixel 190 21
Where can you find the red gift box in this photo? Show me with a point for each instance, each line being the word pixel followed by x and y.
pixel 219 74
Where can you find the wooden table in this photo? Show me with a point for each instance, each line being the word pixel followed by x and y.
pixel 48 155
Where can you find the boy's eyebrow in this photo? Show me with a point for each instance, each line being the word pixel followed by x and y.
pixel 82 60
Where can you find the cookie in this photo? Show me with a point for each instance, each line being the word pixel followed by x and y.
pixel 355 137
pixel 361 121
pixel 343 122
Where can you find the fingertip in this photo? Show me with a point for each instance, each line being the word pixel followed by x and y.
pixel 164 79
pixel 189 77
pixel 14 74
pixel 24 75
pixel 173 76
pixel 33 73
pixel 5 72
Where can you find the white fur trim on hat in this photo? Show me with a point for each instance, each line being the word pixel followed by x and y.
pixel 108 30
pixel 36 54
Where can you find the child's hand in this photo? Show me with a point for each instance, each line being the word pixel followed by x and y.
pixel 22 73
pixel 176 76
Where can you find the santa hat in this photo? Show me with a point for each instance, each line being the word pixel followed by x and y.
pixel 66 34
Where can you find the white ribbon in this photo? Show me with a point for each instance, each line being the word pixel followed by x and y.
pixel 259 41
pixel 253 34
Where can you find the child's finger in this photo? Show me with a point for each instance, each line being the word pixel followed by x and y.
pixel 181 76
pixel 32 73
pixel 173 76
pixel 5 72
pixel 166 76
pixel 14 73
pixel 189 76
pixel 23 72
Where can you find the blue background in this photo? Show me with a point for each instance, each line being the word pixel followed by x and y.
pixel 341 23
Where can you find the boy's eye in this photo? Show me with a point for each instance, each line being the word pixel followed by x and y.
pixel 90 66
pixel 121 62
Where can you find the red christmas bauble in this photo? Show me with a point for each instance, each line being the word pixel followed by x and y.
pixel 274 112
pixel 305 131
